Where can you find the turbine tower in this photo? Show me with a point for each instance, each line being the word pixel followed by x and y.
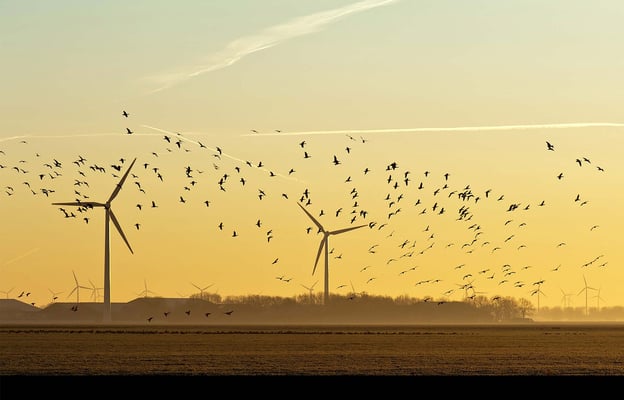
pixel 325 243
pixel 586 289
pixel 109 216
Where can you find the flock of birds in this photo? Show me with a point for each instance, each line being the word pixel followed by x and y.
pixel 425 194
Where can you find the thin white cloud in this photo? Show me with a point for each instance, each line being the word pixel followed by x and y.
pixel 268 38
pixel 17 258
pixel 453 129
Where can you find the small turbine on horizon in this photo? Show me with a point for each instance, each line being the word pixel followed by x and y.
pixel 77 289
pixel 7 292
pixel 202 290
pixel 586 289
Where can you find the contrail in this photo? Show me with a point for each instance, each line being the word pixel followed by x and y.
pixel 265 39
pixel 78 135
pixel 453 129
pixel 14 259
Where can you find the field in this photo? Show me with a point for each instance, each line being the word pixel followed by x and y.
pixel 537 349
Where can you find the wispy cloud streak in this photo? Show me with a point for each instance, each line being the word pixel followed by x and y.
pixel 244 46
pixel 17 258
pixel 453 129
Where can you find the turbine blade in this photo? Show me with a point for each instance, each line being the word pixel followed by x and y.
pixel 318 255
pixel 76 279
pixel 116 223
pixel 198 288
pixel 346 229
pixel 72 292
pixel 121 182
pixel 79 203
pixel 318 224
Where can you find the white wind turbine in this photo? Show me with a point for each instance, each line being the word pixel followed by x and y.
pixel 77 289
pixel 109 216
pixel 202 290
pixel 586 289
pixel 325 243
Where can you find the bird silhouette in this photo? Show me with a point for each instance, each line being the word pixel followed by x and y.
pixel 125 114
pixel 129 131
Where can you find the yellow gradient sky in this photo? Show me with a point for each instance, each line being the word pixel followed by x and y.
pixel 460 97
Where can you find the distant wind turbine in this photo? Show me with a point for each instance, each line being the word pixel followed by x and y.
pixel 201 290
pixel 109 215
pixel 311 288
pixel 565 299
pixel 54 295
pixel 586 289
pixel 598 298
pixel 145 291
pixel 325 243
pixel 77 289
pixel 538 291
pixel 7 292
pixel 95 291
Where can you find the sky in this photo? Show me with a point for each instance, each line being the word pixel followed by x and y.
pixel 428 122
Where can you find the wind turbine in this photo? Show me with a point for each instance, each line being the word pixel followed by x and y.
pixel 146 291
pixel 95 291
pixel 311 288
pixel 598 298
pixel 538 291
pixel 566 298
pixel 325 243
pixel 109 216
pixel 201 290
pixel 586 289
pixel 7 292
pixel 77 289
pixel 54 295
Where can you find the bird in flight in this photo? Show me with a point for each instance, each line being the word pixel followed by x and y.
pixel 125 114
pixel 129 131
pixel 550 146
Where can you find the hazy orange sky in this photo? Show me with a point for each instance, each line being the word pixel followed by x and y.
pixel 426 106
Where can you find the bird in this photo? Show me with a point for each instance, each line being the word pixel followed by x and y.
pixel 550 146
pixel 125 114
pixel 129 131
